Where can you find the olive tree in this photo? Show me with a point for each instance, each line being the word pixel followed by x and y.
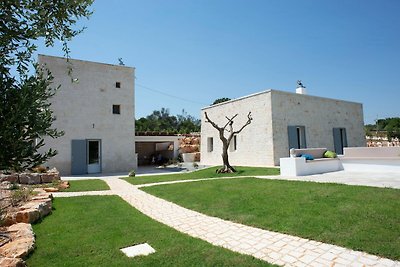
pixel 226 140
pixel 25 114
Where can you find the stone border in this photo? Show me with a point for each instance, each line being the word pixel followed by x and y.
pixel 30 178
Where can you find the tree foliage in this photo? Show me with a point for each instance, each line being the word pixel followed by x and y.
pixel 25 114
pixel 162 121
pixel 220 100
pixel 389 125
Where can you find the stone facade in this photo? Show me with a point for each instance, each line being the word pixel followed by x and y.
pixel 266 139
pixel 84 110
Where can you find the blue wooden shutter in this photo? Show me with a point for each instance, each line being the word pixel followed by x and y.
pixel 78 157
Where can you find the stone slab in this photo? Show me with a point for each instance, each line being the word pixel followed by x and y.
pixel 138 250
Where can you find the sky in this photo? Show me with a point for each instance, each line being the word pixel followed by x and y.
pixel 187 53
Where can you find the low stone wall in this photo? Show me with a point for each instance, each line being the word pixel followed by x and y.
pixel 20 239
pixel 22 243
pixel 30 178
pixel 38 207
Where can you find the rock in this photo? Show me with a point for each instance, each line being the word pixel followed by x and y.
pixel 63 185
pixel 35 209
pixel 27 216
pixel 50 189
pixel 12 178
pixel 48 177
pixel 11 262
pixel 31 211
pixel 6 185
pixel 23 241
pixel 29 178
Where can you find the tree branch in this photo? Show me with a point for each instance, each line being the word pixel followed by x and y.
pixel 229 120
pixel 249 119
pixel 212 123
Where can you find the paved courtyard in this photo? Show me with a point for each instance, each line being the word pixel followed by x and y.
pixel 270 246
pixel 376 179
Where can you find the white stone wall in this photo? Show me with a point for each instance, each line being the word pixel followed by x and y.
pixel 319 116
pixel 83 110
pixel 265 140
pixel 254 143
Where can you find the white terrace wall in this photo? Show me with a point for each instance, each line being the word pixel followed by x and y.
pixel 319 116
pixel 254 143
pixel 84 111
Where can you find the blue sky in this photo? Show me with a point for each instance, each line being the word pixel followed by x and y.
pixel 201 50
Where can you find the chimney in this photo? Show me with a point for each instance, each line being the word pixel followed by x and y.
pixel 301 89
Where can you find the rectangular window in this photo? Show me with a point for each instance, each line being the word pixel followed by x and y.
pixel 116 109
pixel 210 144
pixel 233 145
pixel 118 84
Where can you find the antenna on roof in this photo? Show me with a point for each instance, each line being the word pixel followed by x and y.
pixel 300 89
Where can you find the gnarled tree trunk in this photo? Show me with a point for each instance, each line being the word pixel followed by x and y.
pixel 226 141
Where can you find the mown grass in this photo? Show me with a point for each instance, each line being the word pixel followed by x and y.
pixel 86 185
pixel 357 217
pixel 90 230
pixel 204 173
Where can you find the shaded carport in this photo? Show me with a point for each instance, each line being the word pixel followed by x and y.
pixel 148 147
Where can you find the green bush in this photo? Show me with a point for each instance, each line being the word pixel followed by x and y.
pixel 132 173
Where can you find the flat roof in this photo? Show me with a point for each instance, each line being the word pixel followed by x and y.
pixel 86 61
pixel 278 91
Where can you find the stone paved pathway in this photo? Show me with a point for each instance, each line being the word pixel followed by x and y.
pixel 270 246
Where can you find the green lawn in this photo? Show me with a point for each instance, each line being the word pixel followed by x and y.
pixel 357 217
pixel 90 230
pixel 86 185
pixel 204 173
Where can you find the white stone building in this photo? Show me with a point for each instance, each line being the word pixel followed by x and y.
pixel 281 120
pixel 96 112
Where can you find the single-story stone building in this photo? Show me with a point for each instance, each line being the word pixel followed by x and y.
pixel 281 120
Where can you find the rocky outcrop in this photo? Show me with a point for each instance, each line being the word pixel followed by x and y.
pixel 38 207
pixel 21 244
pixel 11 262
pixel 189 144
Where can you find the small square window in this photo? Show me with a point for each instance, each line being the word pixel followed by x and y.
pixel 116 109
pixel 118 84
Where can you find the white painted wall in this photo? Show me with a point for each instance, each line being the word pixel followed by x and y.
pixel 265 140
pixel 84 111
pixel 319 116
pixel 254 143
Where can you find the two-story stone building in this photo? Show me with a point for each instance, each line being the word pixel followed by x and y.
pixel 95 108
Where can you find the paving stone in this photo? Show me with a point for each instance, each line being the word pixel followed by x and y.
pixel 289 259
pixel 307 259
pixel 328 256
pixel 138 250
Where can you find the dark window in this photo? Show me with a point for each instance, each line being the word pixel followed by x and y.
pixel 210 144
pixel 116 109
pixel 118 84
pixel 233 144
